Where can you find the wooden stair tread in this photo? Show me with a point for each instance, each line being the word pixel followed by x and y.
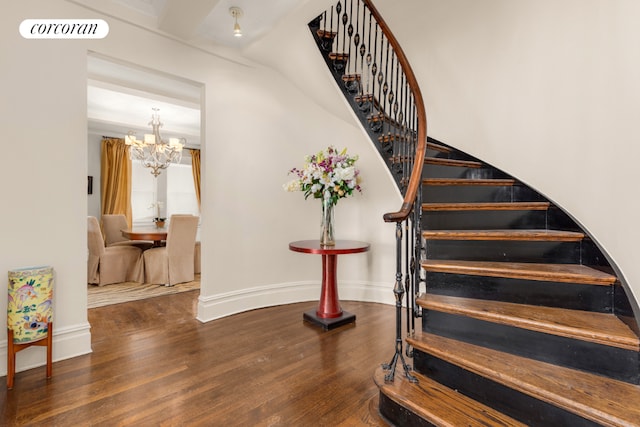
pixel 350 77
pixel 338 56
pixel 486 206
pixel 602 400
pixel 468 181
pixel 384 118
pixel 452 162
pixel 506 234
pixel 438 404
pixel 437 147
pixel 326 34
pixel 389 138
pixel 565 273
pixel 599 328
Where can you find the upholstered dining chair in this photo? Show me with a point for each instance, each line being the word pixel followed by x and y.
pixel 173 263
pixel 111 264
pixel 112 225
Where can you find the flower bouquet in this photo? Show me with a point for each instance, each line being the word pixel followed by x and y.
pixel 158 220
pixel 328 175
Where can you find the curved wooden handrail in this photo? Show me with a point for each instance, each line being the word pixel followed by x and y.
pixel 416 173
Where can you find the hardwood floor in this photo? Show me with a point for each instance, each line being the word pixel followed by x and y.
pixel 154 364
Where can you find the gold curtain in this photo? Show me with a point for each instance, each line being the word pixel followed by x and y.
pixel 115 182
pixel 195 169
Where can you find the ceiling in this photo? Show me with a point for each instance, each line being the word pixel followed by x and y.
pixel 120 96
pixel 211 19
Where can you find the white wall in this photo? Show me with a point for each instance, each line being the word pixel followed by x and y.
pixel 256 127
pixel 546 90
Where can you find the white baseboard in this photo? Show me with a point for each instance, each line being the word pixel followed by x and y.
pixel 67 343
pixel 221 305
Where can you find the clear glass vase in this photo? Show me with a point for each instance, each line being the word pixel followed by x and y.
pixel 326 227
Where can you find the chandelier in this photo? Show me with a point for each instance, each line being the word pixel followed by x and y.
pixel 154 152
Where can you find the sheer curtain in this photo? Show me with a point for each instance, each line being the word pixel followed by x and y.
pixel 195 169
pixel 115 183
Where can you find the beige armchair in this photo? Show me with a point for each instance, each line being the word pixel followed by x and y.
pixel 112 264
pixel 112 225
pixel 173 263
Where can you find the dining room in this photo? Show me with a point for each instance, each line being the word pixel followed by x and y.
pixel 135 185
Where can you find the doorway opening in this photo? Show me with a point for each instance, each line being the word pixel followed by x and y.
pixel 120 99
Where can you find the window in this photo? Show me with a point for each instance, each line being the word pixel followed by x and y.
pixel 144 188
pixel 173 188
pixel 181 193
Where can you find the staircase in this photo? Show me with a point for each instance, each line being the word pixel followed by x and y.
pixel 523 319
pixel 517 313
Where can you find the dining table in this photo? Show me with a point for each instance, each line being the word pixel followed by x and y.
pixel 157 234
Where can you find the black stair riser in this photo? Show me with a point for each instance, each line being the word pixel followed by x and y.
pixel 478 194
pixel 518 405
pixel 438 154
pixel 598 359
pixel 623 308
pixel 483 220
pixel 559 220
pixel 551 294
pixel 399 415
pixel 445 171
pixel 456 155
pixel 454 152
pixel 504 251
pixel 593 257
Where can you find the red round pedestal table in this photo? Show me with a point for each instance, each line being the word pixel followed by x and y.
pixel 329 314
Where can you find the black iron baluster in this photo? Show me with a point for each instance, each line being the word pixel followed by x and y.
pixel 407 276
pixel 365 101
pixel 335 26
pixel 344 27
pixel 351 78
pixel 373 124
pixel 369 59
pixel 346 19
pixel 363 48
pixel 339 59
pixel 325 36
pixel 398 291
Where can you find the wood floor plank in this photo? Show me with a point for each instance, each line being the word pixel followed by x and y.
pixel 153 363
pixel 602 400
pixel 599 328
pixel 565 273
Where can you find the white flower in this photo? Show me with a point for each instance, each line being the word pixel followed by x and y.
pixel 345 174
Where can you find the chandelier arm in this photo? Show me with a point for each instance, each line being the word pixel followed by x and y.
pixel 153 151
